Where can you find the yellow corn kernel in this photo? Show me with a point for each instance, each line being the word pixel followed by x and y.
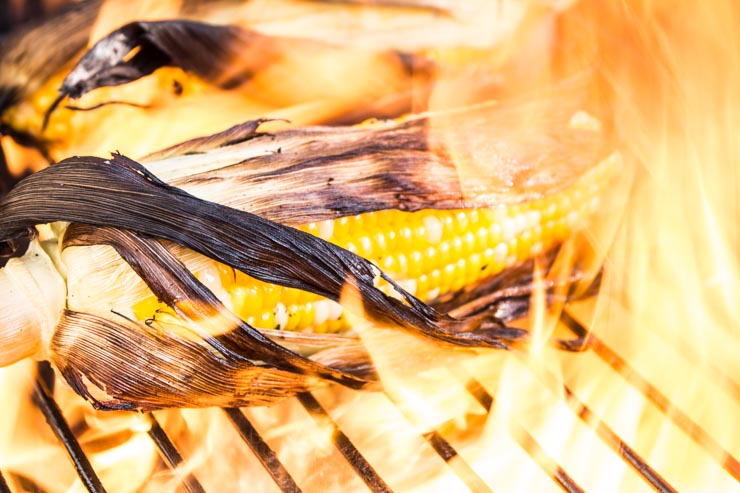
pixel 227 275
pixel 295 312
pixel 145 308
pixel 150 306
pixel 430 252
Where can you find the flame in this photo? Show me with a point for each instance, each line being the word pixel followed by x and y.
pixel 20 160
pixel 116 13
pixel 657 80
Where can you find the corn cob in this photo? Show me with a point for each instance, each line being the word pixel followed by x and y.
pixel 430 253
pixel 98 348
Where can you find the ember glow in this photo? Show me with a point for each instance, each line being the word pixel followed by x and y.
pixel 649 86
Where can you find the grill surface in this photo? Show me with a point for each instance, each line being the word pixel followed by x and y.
pixel 467 475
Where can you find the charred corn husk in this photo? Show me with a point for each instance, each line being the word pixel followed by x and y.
pixel 430 253
pixel 186 265
pixel 223 236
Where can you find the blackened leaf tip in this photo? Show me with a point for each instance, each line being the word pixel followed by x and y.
pixel 137 49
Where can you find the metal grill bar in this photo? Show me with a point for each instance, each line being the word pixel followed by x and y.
pixel 527 442
pixel 59 425
pixel 440 445
pixel 547 463
pixel 264 453
pixel 690 353
pixel 456 462
pixel 684 422
pixel 86 473
pixel 452 458
pixel 344 445
pixel 607 435
pixel 617 444
pixel 171 455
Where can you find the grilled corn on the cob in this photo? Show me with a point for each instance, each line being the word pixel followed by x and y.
pixel 94 324
pixel 430 253
pixel 392 193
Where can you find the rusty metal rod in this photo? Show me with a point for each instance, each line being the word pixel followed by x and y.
pixel 171 455
pixel 262 450
pixel 59 426
pixel 607 435
pixel 363 468
pixel 546 463
pixel 615 443
pixel 460 466
pixel 527 442
pixel 683 421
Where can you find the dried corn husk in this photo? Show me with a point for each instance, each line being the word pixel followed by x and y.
pixel 254 172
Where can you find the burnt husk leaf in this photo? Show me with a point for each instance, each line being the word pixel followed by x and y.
pixel 227 57
pixel 307 174
pixel 322 172
pixel 175 285
pixel 124 365
pixel 198 47
pixel 121 193
pixel 330 172
pixel 233 135
pixel 318 173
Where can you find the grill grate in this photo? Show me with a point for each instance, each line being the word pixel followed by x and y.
pixel 693 430
pixel 262 450
pixel 170 455
pixel 361 466
pixel 61 429
pixel 458 465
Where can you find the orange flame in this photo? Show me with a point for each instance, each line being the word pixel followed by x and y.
pixel 662 376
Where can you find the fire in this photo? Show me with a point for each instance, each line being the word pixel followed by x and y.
pixel 20 159
pixel 656 81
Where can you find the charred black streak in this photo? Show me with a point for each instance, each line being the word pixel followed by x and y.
pixel 108 103
pixel 137 49
pixel 343 156
pixel 231 136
